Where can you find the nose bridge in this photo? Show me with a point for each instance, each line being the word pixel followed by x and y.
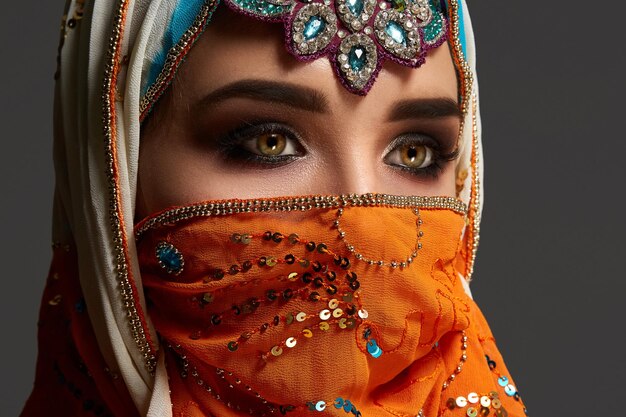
pixel 353 167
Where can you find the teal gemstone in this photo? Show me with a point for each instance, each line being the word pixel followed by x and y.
pixel 170 258
pixel 355 7
pixel 396 31
pixel 313 27
pixel 357 57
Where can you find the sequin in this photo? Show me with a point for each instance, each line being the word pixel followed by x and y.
pixel 293 276
pixel 373 348
pixel 271 262
pixel 338 402
pixel 207 298
pixel 246 239
pixel 501 412
pixel 277 351
pixel 337 313
pixel 503 381
pixel 320 406
pixel 325 314
pixel 350 323
pixel 334 303
pixel 363 314
pixel 324 326
pixel 291 342
pixel 461 402
pixel 301 316
pixel 472 397
pixel 293 238
pixel 342 323
pixel 472 412
pixel 451 403
pixel 233 346
pixel 495 403
pixel 510 390
pixel 485 401
pixel 307 333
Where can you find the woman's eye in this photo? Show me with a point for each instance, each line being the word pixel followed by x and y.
pixel 264 144
pixel 411 155
pixel 270 144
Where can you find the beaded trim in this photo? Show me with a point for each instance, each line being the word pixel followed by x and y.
pixel 128 290
pixel 174 58
pixel 286 204
pixel 467 97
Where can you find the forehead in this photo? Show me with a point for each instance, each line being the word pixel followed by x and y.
pixel 235 48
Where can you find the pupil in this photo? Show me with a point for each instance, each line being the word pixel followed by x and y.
pixel 272 142
pixel 412 153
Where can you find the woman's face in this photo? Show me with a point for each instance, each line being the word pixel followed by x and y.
pixel 245 119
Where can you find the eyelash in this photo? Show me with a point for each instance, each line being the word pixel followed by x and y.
pixel 230 145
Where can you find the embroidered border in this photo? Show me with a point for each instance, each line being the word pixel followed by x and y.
pixel 305 203
pixel 466 82
pixel 128 290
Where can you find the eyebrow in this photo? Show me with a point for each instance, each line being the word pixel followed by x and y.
pixel 293 95
pixel 425 108
pixel 312 100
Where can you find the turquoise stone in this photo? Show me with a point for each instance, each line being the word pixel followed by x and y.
pixel 357 57
pixel 396 31
pixel 355 7
pixel 313 27
pixel 170 258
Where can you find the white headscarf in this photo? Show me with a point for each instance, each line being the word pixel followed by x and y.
pixel 116 59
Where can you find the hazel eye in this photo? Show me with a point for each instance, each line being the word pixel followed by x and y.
pixel 271 144
pixel 411 155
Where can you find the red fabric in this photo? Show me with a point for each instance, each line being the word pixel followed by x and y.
pixel 72 378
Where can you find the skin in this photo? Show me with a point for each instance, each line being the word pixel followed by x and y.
pixel 348 144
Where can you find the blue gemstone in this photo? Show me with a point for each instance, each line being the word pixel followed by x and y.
pixel 355 7
pixel 396 31
pixel 357 57
pixel 313 27
pixel 170 258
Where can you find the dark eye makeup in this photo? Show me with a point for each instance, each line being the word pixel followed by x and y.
pixel 269 144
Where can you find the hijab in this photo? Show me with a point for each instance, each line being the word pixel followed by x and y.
pixel 97 345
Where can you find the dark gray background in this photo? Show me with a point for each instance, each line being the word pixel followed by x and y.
pixel 550 274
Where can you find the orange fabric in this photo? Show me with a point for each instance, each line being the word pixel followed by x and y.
pixel 72 378
pixel 416 315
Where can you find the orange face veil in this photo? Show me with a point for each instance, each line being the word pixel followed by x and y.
pixel 333 304
pixel 99 352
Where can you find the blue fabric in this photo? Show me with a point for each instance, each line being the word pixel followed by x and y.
pixel 462 30
pixel 183 17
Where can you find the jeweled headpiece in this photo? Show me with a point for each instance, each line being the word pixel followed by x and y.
pixel 356 35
